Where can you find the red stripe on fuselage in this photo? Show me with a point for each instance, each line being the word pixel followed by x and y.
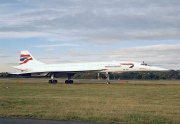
pixel 127 64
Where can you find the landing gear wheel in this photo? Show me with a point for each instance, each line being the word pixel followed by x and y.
pixel 107 79
pixel 108 82
pixel 53 81
pixel 50 81
pixel 69 81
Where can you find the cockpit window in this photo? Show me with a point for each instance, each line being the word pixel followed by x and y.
pixel 144 64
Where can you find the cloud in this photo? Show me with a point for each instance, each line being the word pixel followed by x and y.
pixel 100 24
pixel 7 67
pixel 94 21
pixel 166 56
pixel 4 56
pixel 59 45
pixel 146 51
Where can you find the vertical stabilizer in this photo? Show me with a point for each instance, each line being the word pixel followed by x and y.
pixel 27 58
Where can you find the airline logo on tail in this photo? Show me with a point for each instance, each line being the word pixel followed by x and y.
pixel 24 58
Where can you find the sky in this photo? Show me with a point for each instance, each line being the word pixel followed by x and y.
pixel 67 31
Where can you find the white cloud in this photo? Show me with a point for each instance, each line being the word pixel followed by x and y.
pixel 77 23
pixel 166 56
pixel 95 21
pixel 59 45
pixel 22 34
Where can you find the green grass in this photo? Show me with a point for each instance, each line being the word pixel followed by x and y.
pixel 146 102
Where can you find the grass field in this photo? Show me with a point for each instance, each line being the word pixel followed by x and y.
pixel 147 102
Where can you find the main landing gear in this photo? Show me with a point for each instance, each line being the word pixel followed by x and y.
pixel 69 81
pixel 107 78
pixel 52 81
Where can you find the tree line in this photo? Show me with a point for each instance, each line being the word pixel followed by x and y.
pixel 115 76
pixel 132 75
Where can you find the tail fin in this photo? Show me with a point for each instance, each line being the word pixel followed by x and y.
pixel 26 57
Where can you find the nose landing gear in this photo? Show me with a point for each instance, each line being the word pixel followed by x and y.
pixel 107 78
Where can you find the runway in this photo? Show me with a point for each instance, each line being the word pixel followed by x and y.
pixel 36 121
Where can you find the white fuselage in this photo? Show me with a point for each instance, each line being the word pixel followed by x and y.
pixel 114 66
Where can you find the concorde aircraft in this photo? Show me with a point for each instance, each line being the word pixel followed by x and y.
pixel 29 65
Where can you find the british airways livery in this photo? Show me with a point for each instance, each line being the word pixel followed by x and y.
pixel 29 65
pixel 24 58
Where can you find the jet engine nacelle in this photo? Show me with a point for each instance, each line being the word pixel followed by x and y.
pixel 39 74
